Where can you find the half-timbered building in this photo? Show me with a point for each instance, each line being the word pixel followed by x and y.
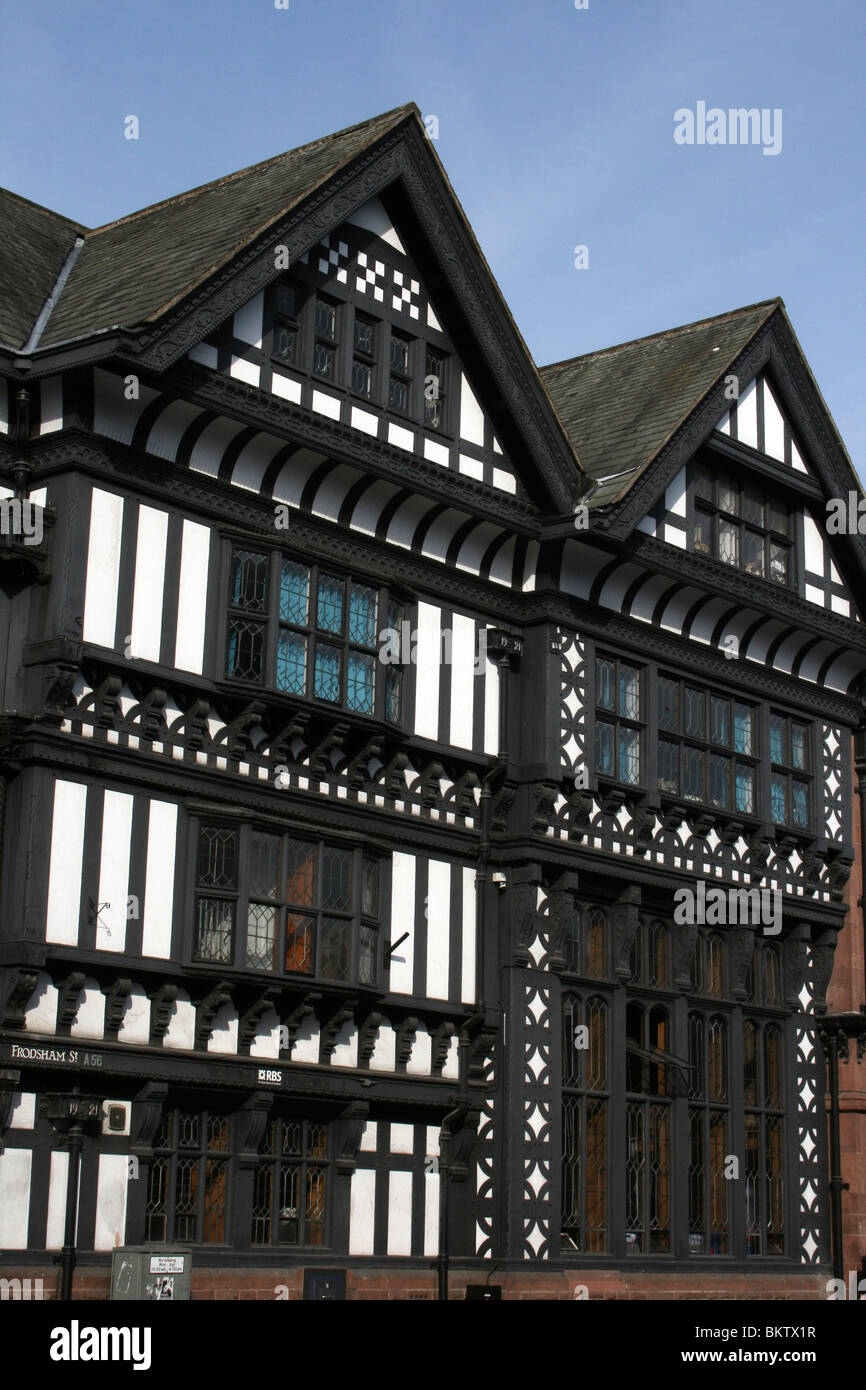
pixel 349 809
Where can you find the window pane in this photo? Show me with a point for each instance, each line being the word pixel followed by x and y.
pixel 393 693
pixel 217 857
pixel 799 803
pixel 330 604
pixel 604 678
pixel 300 935
pixel 703 482
pixel 370 888
pixel 745 800
pixel 261 936
pixel 285 344
pixel 742 729
pixel 360 683
pixel 777 739
pixel 694 713
pixel 301 872
pixel 778 562
pixel 362 378
pixel 777 799
pixel 798 746
pixel 336 878
pixel 399 354
pixel 753 552
pixel 246 651
pixel 362 615
pixel 720 720
pixel 668 766
pixel 720 777
pixel 323 360
pixel 668 703
pixel 729 543
pixel 629 692
pixel 629 756
pixel 367 953
pixel 287 300
pixel 264 864
pixel 335 948
pixel 326 318
pixel 248 580
pixel 729 500
pixel 364 337
pixel 294 593
pixel 693 774
pixel 777 518
pixel 398 395
pixel 327 675
pixel 291 662
pixel 753 506
pixel 703 534
pixel 214 927
pixel 604 755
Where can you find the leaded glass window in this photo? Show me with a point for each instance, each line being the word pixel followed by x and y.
pixel 291 1184
pixel 741 525
pixel 706 747
pixel 307 907
pixel 586 1100
pixel 618 722
pixel 789 777
pixel 188 1179
pixel 328 634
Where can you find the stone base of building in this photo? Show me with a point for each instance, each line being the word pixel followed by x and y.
pixel 92 1284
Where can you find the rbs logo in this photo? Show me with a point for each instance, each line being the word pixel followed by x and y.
pixel 265 1074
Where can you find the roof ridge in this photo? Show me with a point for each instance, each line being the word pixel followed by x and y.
pixel 663 333
pixel 251 168
pixel 41 207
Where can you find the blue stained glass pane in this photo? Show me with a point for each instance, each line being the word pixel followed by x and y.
pixel 604 670
pixel 292 662
pixel 604 757
pixel 777 739
pixel 361 689
pixel 294 593
pixel 629 756
pixel 777 799
pixel 799 804
pixel 742 729
pixel 745 790
pixel 629 692
pixel 362 615
pixel 327 681
pixel 330 604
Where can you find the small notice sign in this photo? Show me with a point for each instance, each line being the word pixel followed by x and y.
pixel 166 1264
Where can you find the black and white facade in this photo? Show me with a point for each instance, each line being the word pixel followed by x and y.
pixel 359 731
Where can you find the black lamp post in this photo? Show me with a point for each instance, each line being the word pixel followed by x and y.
pixel 68 1115
pixel 835 1031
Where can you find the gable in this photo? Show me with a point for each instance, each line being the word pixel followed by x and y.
pixel 756 420
pixel 715 506
pixel 351 333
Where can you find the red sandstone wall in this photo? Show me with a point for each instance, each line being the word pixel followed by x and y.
pixel 848 991
pixel 539 1286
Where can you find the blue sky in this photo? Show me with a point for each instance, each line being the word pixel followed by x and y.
pixel 555 126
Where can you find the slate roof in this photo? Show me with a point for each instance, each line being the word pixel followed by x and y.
pixel 617 407
pixel 620 405
pixel 34 245
pixel 130 271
